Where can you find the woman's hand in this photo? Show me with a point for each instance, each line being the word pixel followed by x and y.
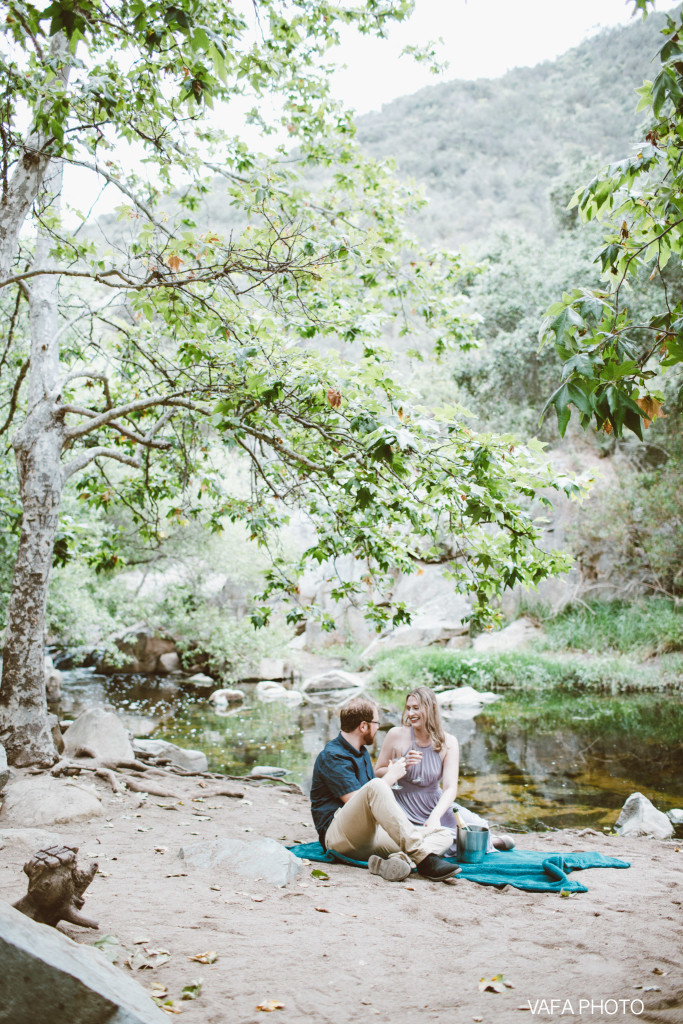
pixel 434 819
pixel 413 757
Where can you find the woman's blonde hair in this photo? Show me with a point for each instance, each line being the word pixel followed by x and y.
pixel 433 723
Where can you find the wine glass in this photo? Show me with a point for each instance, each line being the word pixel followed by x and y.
pixel 395 785
pixel 418 776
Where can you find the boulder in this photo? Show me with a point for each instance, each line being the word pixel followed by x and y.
pixel 639 817
pixel 53 680
pixel 200 681
pixel 5 770
pixel 169 662
pixel 517 636
pixel 333 680
pixel 42 800
pixel 140 648
pixel 264 859
pixel 221 698
pixel 47 976
pixel 191 760
pixel 464 701
pixel 269 690
pixel 675 816
pixel 100 732
pixel 22 843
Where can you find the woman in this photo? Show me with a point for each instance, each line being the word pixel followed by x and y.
pixel 432 757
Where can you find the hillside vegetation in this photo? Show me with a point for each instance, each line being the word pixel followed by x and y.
pixel 506 153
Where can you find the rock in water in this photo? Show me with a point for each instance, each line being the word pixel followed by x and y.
pixel 33 802
pixel 675 816
pixel 263 858
pixel 47 977
pixel 101 733
pixel 639 817
pixel 191 760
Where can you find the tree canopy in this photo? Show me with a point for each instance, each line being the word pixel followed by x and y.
pixel 616 352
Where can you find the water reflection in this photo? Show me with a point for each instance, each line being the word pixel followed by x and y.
pixel 518 777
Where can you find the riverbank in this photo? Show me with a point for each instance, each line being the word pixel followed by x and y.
pixel 334 949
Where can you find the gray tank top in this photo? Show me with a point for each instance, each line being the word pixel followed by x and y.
pixel 418 799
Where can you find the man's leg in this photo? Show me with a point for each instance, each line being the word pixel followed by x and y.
pixel 372 822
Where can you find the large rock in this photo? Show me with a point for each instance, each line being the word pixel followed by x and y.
pixel 48 977
pixel 200 681
pixel 191 760
pixel 264 859
pixel 222 698
pixel 42 800
pixel 518 636
pixel 22 843
pixel 675 816
pixel 140 650
pixel 53 680
pixel 465 696
pixel 333 680
pixel 100 732
pixel 5 770
pixel 269 690
pixel 639 817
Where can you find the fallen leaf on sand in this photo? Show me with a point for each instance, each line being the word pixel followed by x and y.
pixel 322 910
pixel 209 957
pixel 269 1005
pixel 192 990
pixel 658 970
pixel 110 946
pixel 477 1019
pixel 523 1007
pixel 147 958
pixel 495 984
pixel 216 888
pixel 177 874
pixel 319 873
pixel 158 990
pixel 141 942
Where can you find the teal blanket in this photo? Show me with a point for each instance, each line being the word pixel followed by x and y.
pixel 532 870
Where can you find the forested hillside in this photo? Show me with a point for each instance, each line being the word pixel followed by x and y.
pixel 504 153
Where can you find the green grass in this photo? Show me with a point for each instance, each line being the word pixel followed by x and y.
pixel 643 628
pixel 401 670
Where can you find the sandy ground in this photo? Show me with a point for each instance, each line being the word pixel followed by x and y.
pixel 355 947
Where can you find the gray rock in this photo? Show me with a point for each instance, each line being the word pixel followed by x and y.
pixel 169 662
pixel 102 733
pixel 5 770
pixel 465 696
pixel 42 800
pixel 269 690
pixel 273 668
pixel 333 680
pixel 516 637
pixel 53 680
pixel 263 859
pixel 22 843
pixel 221 698
pixel 191 760
pixel 675 816
pixel 140 649
pixel 639 817
pixel 47 976
pixel 200 681
pixel 270 769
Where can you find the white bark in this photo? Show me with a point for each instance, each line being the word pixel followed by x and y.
pixel 24 725
pixel 28 176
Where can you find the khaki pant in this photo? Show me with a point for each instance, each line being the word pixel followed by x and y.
pixel 372 822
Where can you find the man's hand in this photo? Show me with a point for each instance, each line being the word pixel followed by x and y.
pixel 395 771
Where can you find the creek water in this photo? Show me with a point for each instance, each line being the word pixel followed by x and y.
pixel 524 779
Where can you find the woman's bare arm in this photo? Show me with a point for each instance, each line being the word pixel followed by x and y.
pixel 391 748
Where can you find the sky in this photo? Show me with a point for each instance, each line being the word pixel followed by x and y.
pixel 481 39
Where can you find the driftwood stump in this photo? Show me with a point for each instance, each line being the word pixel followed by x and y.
pixel 55 887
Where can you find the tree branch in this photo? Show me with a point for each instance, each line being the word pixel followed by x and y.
pixel 105 418
pixel 95 453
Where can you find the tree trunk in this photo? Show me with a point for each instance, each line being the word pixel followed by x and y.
pixel 24 724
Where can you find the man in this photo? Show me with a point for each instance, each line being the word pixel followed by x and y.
pixel 357 815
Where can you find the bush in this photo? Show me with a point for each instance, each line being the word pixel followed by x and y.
pixel 650 626
pixel 401 671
